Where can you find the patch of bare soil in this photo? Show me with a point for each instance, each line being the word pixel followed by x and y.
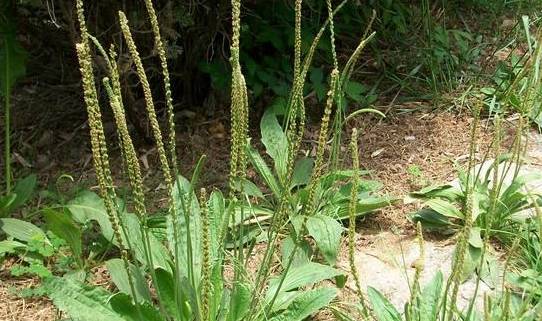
pixel 406 152
pixel 14 308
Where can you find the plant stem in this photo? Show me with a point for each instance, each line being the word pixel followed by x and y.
pixel 7 141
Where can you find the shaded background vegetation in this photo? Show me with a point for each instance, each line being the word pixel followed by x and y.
pixel 423 51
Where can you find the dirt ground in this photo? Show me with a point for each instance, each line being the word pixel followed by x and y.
pixel 428 143
pixel 14 308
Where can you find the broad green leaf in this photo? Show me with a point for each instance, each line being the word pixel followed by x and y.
pixel 306 304
pixel 119 276
pixel 250 214
pixel 62 225
pixel 444 207
pixel 21 230
pixel 81 302
pixel 354 90
pixel 166 291
pixel 382 308
pixel 188 228
pixel 302 172
pixel 12 62
pixel 372 203
pixel 300 276
pixel 5 203
pixel 490 91
pixel 248 188
pixel 301 256
pixel 279 106
pixel 125 307
pixel 364 206
pixel 326 232
pixel 430 298
pixel 240 302
pixel 283 300
pixel 88 206
pixel 471 261
pixel 370 185
pixel 328 179
pixel 189 299
pixel 444 191
pixel 492 270
pixel 217 215
pixel 7 246
pixel 218 296
pixel 479 204
pixel 431 220
pixel 160 256
pixel 23 191
pixel 519 183
pixel 275 141
pixel 264 171
pixel 475 238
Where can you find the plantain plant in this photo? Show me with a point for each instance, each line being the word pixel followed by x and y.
pixel 187 251
pixel 310 194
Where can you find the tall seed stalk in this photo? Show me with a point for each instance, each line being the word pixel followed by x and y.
pixel 455 279
pixel 99 148
pixel 352 208
pixel 160 48
pixel 164 163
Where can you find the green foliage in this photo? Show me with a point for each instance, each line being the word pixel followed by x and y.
pixel 80 301
pixel 431 304
pixel 494 199
pixel 332 190
pixel 63 226
pixel 38 252
pixel 516 83
pixel 12 58
pixel 383 309
pixel 528 277
pixel 55 247
pixel 417 178
pixel 496 202
pixel 21 193
pixel 266 58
